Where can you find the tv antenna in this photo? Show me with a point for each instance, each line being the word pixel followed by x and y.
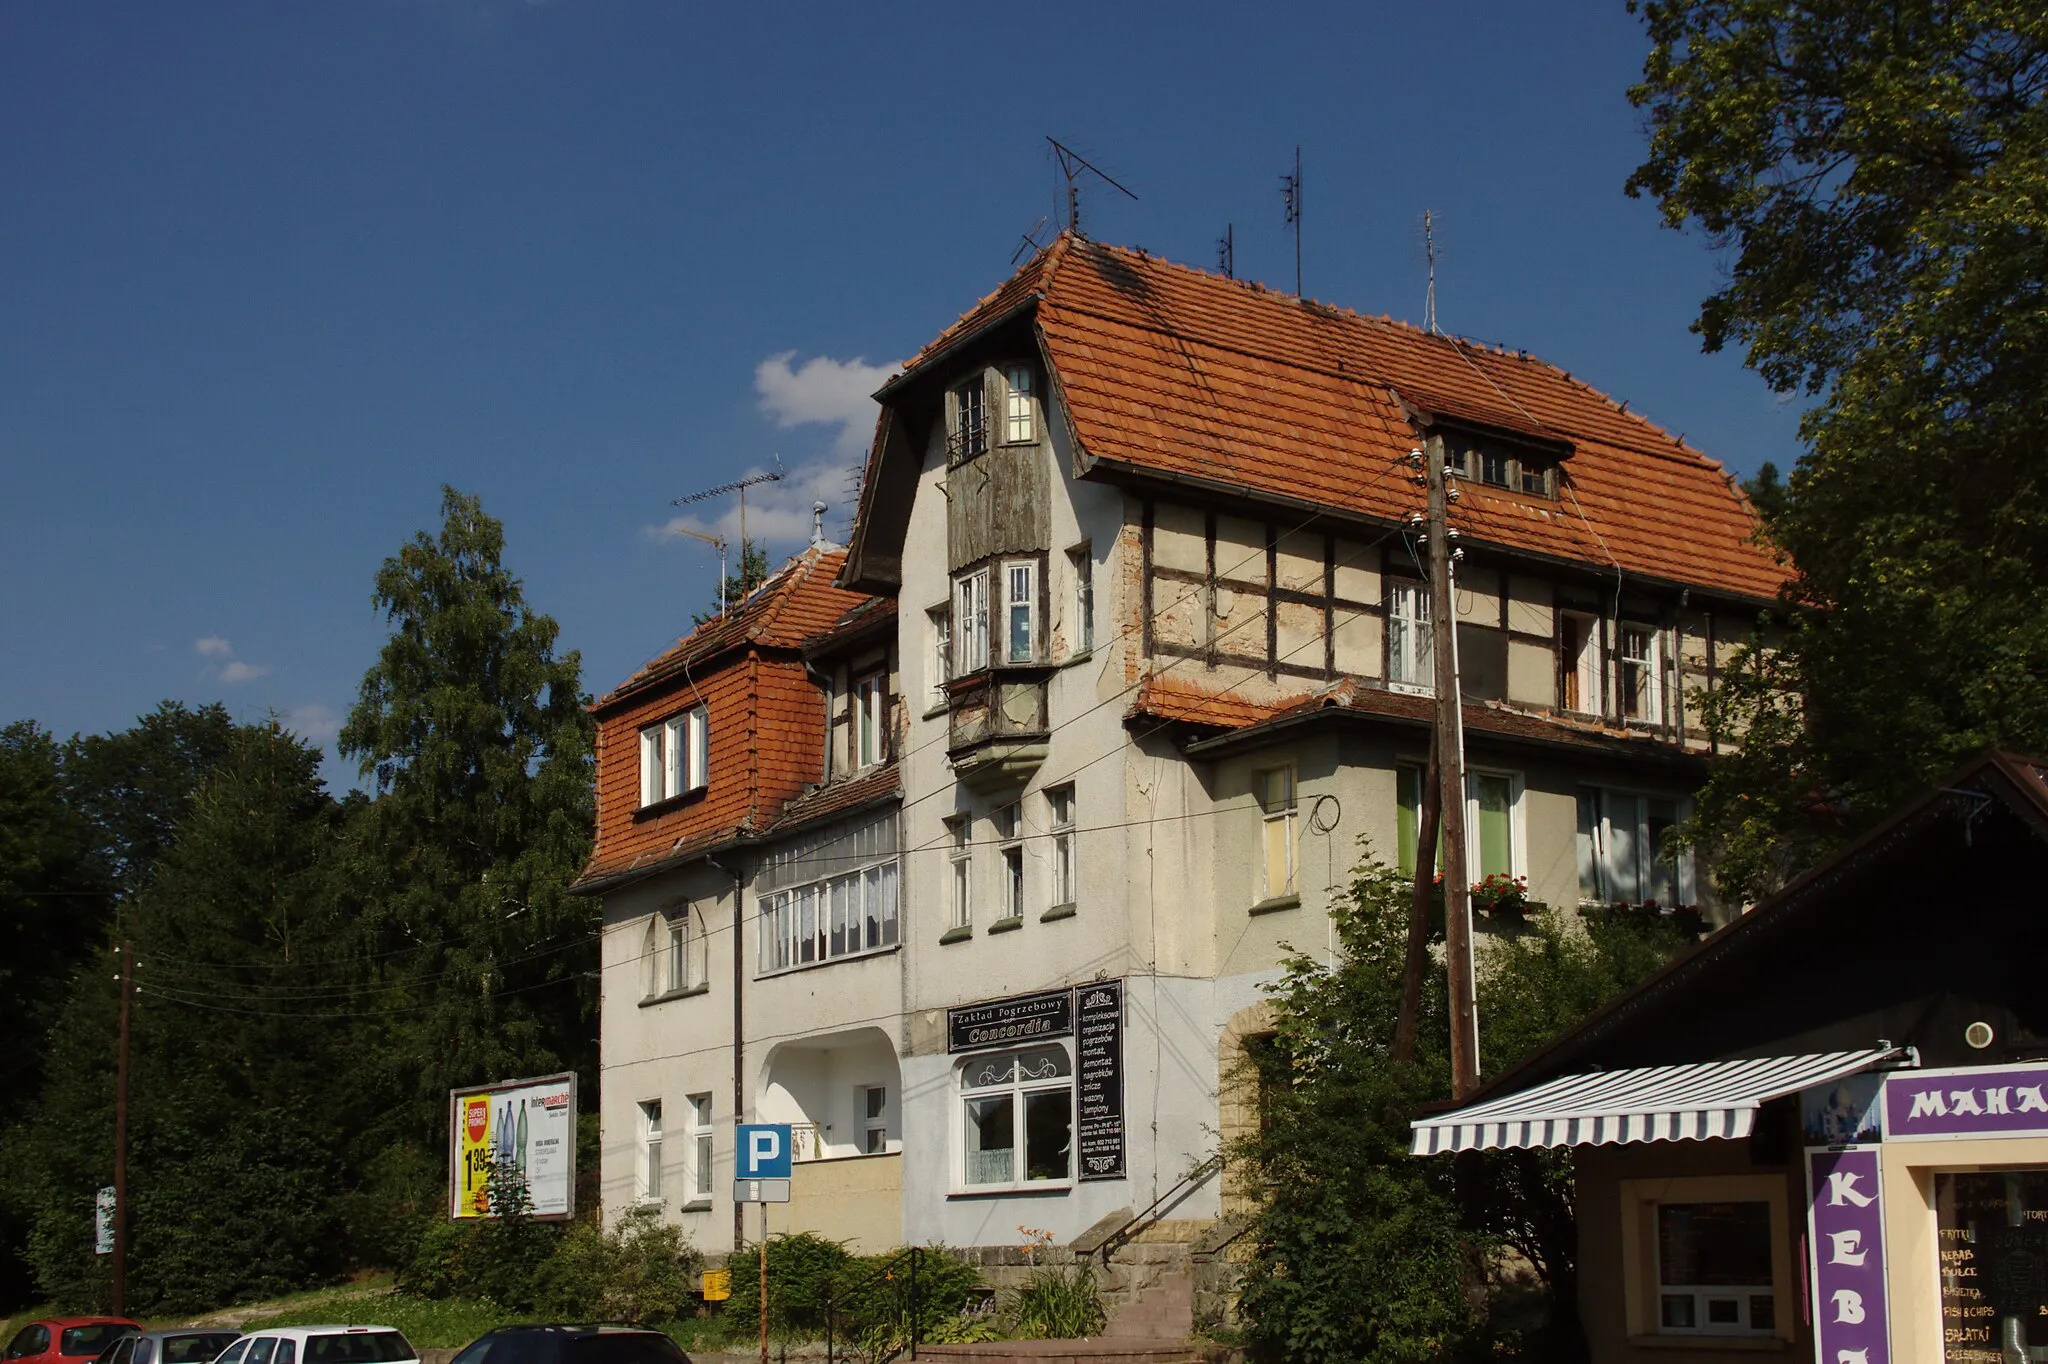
pixel 1429 255
pixel 1226 251
pixel 739 486
pixel 1290 195
pixel 1072 163
pixel 717 542
pixel 1030 242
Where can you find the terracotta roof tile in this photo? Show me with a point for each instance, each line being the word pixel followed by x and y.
pixel 1170 370
pixel 837 798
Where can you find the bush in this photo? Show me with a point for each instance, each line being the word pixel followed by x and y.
pixel 639 1271
pixel 498 1259
pixel 801 1267
pixel 871 1298
pixel 1055 1303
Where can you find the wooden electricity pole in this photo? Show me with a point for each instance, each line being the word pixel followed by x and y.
pixel 120 1294
pixel 1449 746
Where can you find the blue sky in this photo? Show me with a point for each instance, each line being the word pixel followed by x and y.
pixel 271 274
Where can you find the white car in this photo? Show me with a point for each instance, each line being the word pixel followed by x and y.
pixel 321 1345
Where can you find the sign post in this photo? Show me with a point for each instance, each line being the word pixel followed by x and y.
pixel 761 1162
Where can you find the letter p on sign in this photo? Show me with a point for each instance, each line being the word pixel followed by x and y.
pixel 763 1151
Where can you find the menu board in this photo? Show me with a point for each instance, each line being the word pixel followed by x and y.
pixel 1100 1073
pixel 1994 1265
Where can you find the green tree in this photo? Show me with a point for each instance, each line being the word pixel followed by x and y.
pixel 134 785
pixel 1878 174
pixel 474 735
pixel 735 588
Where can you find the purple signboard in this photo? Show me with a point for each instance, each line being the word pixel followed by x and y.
pixel 1845 1247
pixel 1987 1101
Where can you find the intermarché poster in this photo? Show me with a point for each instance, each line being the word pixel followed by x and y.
pixel 526 1126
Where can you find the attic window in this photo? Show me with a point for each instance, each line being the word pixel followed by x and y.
pixel 970 420
pixel 1500 463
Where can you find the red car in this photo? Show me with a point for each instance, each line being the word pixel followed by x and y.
pixel 67 1340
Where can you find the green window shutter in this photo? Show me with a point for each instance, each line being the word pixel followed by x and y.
pixel 1496 849
pixel 1408 803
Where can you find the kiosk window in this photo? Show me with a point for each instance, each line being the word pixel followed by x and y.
pixel 1714 1268
pixel 1994 1264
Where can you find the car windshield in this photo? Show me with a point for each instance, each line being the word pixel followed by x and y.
pixel 358 1347
pixel 90 1340
pixel 196 1349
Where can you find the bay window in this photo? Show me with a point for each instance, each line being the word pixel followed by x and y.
pixel 1017 1118
pixel 1020 608
pixel 940 628
pixel 970 623
pixel 1018 427
pixel 833 894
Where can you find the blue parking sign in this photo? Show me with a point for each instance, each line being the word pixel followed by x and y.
pixel 763 1151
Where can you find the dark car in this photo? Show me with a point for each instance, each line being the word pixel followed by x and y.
pixel 67 1340
pixel 169 1347
pixel 571 1345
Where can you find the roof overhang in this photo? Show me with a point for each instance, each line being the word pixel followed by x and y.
pixel 1710 1099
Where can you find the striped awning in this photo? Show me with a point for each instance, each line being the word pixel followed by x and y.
pixel 1659 1103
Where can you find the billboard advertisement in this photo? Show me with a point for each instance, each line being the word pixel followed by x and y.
pixel 527 1127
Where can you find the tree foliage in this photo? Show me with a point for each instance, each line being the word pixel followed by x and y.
pixel 735 588
pixel 1878 174
pixel 1359 1250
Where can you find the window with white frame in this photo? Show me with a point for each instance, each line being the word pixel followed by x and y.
pixel 1621 854
pixel 970 419
pixel 650 1150
pixel 675 756
pixel 961 856
pixel 1493 825
pixel 700 1148
pixel 1277 846
pixel 1639 671
pixel 1081 560
pixel 1017 1118
pixel 970 623
pixel 1018 427
pixel 833 894
pixel 870 719
pixel 1714 1271
pixel 1009 822
pixel 873 1101
pixel 1578 670
pixel 1020 608
pixel 667 953
pixel 1411 652
pixel 1059 811
pixel 939 628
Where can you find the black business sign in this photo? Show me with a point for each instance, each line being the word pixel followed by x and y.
pixel 1099 1065
pixel 1018 1019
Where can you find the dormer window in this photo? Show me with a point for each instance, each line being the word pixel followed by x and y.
pixel 1018 426
pixel 1500 463
pixel 970 420
pixel 675 756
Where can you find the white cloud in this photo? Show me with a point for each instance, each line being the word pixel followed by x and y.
pixel 212 646
pixel 313 722
pixel 822 391
pixel 239 671
pixel 778 514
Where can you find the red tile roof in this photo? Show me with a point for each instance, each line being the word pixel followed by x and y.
pixel 796 602
pixel 1168 370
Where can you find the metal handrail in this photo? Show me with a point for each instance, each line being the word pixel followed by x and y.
pixel 1160 1206
pixel 885 1271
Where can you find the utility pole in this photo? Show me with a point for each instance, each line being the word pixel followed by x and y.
pixel 1449 746
pixel 127 979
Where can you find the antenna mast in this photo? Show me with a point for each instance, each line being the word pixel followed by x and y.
pixel 717 542
pixel 739 486
pixel 1226 251
pixel 1429 253
pixel 1072 164
pixel 1290 194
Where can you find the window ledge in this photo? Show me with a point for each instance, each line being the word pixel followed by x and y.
pixel 1065 911
pixel 864 954
pixel 1705 1340
pixel 1009 925
pixel 648 1200
pixel 701 987
pixel 695 1205
pixel 673 803
pixel 960 934
pixel 937 712
pixel 1275 904
pixel 1077 658
pixel 1048 1190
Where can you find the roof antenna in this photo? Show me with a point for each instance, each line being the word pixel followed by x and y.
pixel 1226 251
pixel 1072 163
pixel 1030 242
pixel 739 486
pixel 1290 194
pixel 1429 254
pixel 718 543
